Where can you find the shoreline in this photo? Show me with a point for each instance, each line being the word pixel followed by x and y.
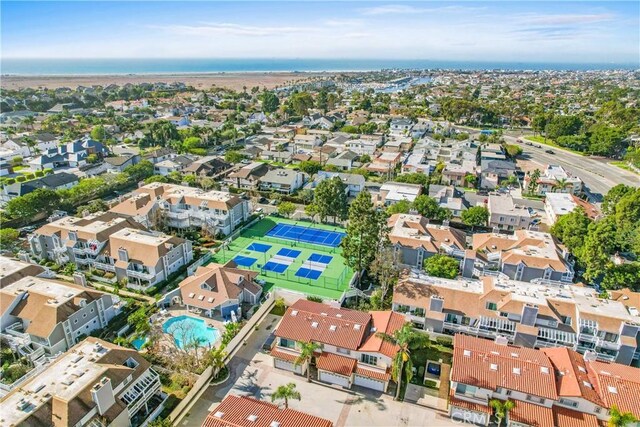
pixel 200 80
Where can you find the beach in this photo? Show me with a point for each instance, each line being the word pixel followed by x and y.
pixel 236 81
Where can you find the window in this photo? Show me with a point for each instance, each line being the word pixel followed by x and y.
pixel 343 350
pixel 369 360
pixel 566 320
pixel 491 306
pixel 568 402
pixel 535 399
pixel 467 390
pixel 504 314
pixel 597 410
pixel 501 390
pixel 287 343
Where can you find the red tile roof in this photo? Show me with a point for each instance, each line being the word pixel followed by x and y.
pixel 387 322
pixel 617 385
pixel 311 321
pixel 572 378
pixel 375 374
pixel 337 364
pixel 488 365
pixel 289 357
pixel 234 411
pixel 565 417
pixel 531 414
pixel 471 406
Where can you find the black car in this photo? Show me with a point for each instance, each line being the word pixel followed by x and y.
pixel 268 344
pixel 549 151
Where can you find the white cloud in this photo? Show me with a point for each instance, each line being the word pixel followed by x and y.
pixel 401 9
pixel 231 29
pixel 566 19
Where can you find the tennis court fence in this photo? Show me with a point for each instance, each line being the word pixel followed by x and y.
pixel 295 243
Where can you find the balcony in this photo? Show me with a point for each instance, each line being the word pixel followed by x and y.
pixel 460 328
pixel 587 337
pixel 144 275
pixel 177 215
pixel 105 267
pixel 60 249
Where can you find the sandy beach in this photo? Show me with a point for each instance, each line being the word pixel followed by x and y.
pixel 234 81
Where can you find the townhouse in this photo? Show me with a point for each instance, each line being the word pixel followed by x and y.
pixel 351 354
pixel 400 126
pixel 363 145
pixel 555 179
pixel 559 204
pixel 285 181
pixel 449 197
pixel 415 240
pixel 505 214
pixel 394 192
pixel 72 154
pixel 247 177
pixel 12 270
pixel 525 255
pixel 418 161
pixel 174 164
pixel 455 172
pixel 41 316
pixel 185 207
pixel 343 161
pixel 527 314
pixel 550 387
pixel 306 143
pixel 354 183
pixel 217 289
pixel 493 173
pixel 243 411
pixel 385 164
pixel 53 181
pixel 96 383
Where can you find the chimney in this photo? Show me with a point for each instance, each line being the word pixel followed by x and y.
pixel 102 395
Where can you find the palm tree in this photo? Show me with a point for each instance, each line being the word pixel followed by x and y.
pixel 501 408
pixel 29 121
pixel 561 184
pixel 286 392
pixel 407 339
pixel 619 418
pixel 308 350
pixel 215 358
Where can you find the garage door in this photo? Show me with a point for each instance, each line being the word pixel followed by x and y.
pixel 469 417
pixel 289 366
pixel 369 383
pixel 330 378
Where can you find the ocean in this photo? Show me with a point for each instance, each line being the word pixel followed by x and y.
pixel 64 67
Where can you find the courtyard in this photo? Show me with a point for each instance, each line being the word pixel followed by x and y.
pixel 253 374
pixel 294 255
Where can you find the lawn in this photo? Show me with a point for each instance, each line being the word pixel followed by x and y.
pixel 551 143
pixel 330 284
pixel 623 165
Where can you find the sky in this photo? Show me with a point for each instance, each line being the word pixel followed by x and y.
pixel 538 31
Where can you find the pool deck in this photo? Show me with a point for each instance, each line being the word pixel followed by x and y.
pixel 177 311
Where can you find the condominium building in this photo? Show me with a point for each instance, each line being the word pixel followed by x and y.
pixel 559 204
pixel 42 316
pixel 178 206
pixel 243 411
pixel 12 270
pixel 527 314
pixel 555 179
pixel 415 240
pixel 394 192
pixel 77 240
pixel 550 387
pixel 94 384
pixel 525 255
pixel 351 351
pixel 506 214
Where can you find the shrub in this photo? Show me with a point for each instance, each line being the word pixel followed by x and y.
pixel 39 174
pixel 430 384
pixel 314 298
pixel 48 171
pixel 445 341
pixel 109 275
pixel 10 181
pixel 30 175
pixel 21 178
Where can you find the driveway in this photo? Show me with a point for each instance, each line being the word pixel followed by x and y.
pixel 253 375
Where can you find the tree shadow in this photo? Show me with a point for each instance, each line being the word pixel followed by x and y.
pixel 358 399
pixel 247 384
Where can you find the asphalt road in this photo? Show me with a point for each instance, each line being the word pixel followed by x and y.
pixel 598 175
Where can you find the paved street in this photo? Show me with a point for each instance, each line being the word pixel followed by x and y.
pixel 253 375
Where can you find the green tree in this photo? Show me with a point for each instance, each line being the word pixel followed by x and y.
pixel 613 196
pixel 407 340
pixel 8 238
pixel 533 181
pixel 606 140
pixel 161 422
pixel 385 269
pixel 307 353
pixel 571 229
pixel 311 210
pixel 563 126
pixel 501 409
pixel 429 208
pixel 286 392
pixel 140 171
pixel 215 358
pixel 310 167
pixel 625 275
pixel 366 228
pixel 400 207
pixel 513 150
pixel 618 418
pixel 286 209
pixel 93 206
pixel 442 266
pixel 156 178
pixel 233 157
pixel 270 102
pixel 413 178
pixel 330 199
pixel 31 204
pixel 99 133
pixel 476 215
pixel 599 245
pixel 301 102
pixel 140 321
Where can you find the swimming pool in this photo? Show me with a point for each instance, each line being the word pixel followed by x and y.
pixel 187 330
pixel 139 342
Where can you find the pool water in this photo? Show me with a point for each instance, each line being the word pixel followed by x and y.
pixel 139 342
pixel 187 330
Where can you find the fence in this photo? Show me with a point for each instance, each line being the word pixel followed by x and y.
pixel 294 243
pixel 234 345
pixel 200 261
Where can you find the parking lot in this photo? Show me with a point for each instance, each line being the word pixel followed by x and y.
pixel 253 374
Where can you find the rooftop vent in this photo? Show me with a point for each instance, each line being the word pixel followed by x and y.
pixel 467 353
pixel 323 314
pixel 356 327
pixel 294 313
pixel 544 369
pixel 612 389
pixel 314 324
pixel 333 327
pixel 493 367
pixel 274 424
pixel 516 371
pixel 218 414
pixel 252 418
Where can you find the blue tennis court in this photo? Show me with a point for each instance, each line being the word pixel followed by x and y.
pixel 275 267
pixel 322 259
pixel 289 253
pixel 306 234
pixel 308 273
pixel 258 247
pixel 244 261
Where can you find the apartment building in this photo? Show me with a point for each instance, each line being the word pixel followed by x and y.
pixel 550 387
pixel 415 240
pixel 354 183
pixel 351 353
pixel 528 314
pixel 77 240
pixel 247 177
pixel 555 179
pixel 505 214
pixel 12 270
pixel 559 204
pixel 185 207
pixel 41 316
pixel 455 173
pixel 94 384
pixel 284 181
pixel 243 411
pixel 217 289
pixel 525 255
pixel 394 192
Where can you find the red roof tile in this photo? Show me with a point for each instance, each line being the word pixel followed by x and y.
pixel 234 411
pixel 617 385
pixel 289 357
pixel 337 364
pixel 387 322
pixel 573 379
pixel 375 374
pixel 471 406
pixel 564 417
pixel 530 414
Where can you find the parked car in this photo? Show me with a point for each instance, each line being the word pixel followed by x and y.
pixel 269 342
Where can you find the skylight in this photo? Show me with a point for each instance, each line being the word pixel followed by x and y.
pixel 516 371
pixel 333 327
pixel 493 367
pixel 612 389
pixel 294 313
pixel 467 353
pixel 544 369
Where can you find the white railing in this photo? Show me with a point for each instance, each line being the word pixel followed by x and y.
pixel 103 266
pixel 140 275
